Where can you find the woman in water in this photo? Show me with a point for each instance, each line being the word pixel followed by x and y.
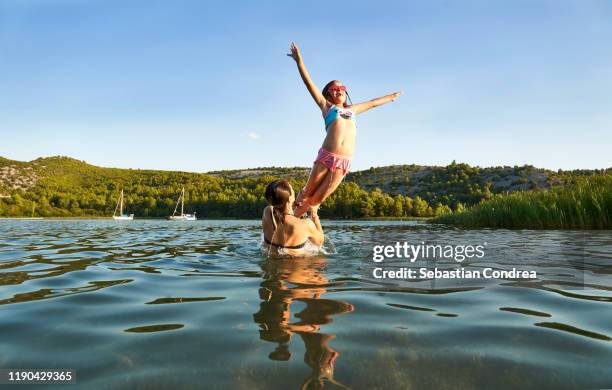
pixel 334 158
pixel 283 232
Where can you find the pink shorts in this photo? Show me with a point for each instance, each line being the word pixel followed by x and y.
pixel 333 161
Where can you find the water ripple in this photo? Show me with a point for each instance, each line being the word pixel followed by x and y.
pixel 106 297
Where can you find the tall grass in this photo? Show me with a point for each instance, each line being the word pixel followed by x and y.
pixel 584 204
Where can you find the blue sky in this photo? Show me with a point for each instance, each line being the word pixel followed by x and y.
pixel 199 86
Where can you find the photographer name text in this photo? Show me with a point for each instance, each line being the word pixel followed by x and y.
pixel 434 252
pixel 458 273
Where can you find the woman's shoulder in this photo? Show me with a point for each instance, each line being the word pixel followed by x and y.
pixel 265 213
pixel 296 222
pixel 303 225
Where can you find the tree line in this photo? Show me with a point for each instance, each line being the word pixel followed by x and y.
pixel 67 187
pixel 210 197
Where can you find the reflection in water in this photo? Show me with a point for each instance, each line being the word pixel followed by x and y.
pixel 160 301
pixel 573 329
pixel 410 307
pixel 286 282
pixel 524 311
pixel 55 293
pixel 154 328
pixel 81 291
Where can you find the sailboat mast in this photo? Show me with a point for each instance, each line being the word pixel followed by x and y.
pixel 121 207
pixel 182 201
pixel 117 206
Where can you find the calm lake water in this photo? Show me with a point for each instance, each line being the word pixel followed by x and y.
pixel 155 304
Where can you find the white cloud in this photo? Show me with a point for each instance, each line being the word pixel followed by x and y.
pixel 253 135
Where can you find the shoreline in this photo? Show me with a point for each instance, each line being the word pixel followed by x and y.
pixel 23 218
pixel 430 221
pixel 214 219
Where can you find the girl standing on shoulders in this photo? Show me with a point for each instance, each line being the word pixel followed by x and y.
pixel 334 158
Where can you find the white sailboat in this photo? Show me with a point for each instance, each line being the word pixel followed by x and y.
pixel 182 216
pixel 121 216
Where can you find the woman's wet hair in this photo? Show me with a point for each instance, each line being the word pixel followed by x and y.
pixel 277 194
pixel 327 96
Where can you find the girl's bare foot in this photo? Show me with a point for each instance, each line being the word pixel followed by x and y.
pixel 313 211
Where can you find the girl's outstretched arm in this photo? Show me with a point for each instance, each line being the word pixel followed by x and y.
pixel 312 88
pixel 365 106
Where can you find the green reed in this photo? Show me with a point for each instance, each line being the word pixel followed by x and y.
pixel 586 203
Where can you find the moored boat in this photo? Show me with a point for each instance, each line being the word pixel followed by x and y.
pixel 121 216
pixel 182 216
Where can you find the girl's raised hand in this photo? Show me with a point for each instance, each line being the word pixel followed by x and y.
pixel 295 52
pixel 394 95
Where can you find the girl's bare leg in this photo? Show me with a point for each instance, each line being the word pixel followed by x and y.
pixel 317 175
pixel 327 187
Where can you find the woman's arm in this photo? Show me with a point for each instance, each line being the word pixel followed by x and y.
pixel 312 88
pixel 268 214
pixel 316 230
pixel 365 106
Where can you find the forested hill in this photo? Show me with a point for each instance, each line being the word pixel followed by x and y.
pixel 62 186
pixel 448 185
pixel 461 183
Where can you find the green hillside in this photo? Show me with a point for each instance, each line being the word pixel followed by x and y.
pixel 62 186
pixel 461 183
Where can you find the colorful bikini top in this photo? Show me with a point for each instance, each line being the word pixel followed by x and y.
pixel 336 112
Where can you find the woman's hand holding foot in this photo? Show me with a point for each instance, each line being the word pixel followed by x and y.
pixel 314 212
